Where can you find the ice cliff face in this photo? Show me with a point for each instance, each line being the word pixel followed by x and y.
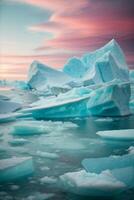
pixel 102 65
pixel 41 77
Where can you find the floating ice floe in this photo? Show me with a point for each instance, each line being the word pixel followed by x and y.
pixel 42 77
pixel 97 165
pixel 107 183
pixel 27 128
pixel 18 141
pixel 110 100
pixel 47 155
pixel 48 180
pixel 15 168
pixel 125 135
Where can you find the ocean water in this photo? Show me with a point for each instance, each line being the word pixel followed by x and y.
pixel 71 141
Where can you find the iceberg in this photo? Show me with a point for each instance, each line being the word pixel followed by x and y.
pixel 42 77
pixel 107 183
pixel 97 165
pixel 100 66
pixel 112 99
pixel 48 155
pixel 123 135
pixel 28 128
pixel 15 168
pixel 106 64
pixel 83 102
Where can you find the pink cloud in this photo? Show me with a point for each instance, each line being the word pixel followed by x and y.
pixel 78 27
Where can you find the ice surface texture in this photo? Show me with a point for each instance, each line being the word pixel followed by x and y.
pixel 110 100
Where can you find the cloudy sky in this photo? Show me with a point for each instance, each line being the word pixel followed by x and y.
pixel 53 30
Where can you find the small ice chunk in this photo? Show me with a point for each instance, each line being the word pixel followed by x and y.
pixel 44 168
pixel 39 196
pixel 97 165
pixel 47 155
pixel 15 168
pixel 48 180
pixel 28 128
pixel 86 183
pixel 18 141
pixel 131 150
pixel 125 135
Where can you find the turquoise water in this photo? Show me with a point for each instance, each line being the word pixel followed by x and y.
pixel 72 142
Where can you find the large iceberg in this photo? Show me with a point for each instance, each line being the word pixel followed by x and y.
pixel 124 135
pixel 110 100
pixel 107 183
pixel 42 77
pixel 15 168
pixel 103 65
pixel 97 165
pixel 83 102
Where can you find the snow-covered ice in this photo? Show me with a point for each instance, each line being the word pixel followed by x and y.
pixel 92 184
pixel 42 77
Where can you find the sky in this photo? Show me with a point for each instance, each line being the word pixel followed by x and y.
pixel 51 31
